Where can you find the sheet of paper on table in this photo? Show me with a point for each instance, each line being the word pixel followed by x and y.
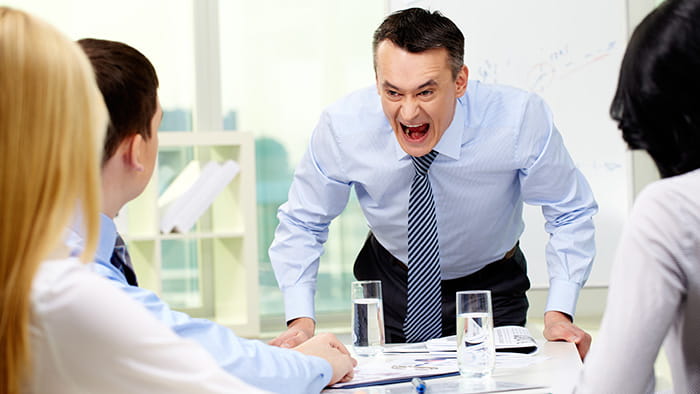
pixel 387 369
pixel 513 339
pixel 397 365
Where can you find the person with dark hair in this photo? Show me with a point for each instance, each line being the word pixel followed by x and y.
pixel 654 293
pixel 129 84
pixel 132 109
pixel 441 168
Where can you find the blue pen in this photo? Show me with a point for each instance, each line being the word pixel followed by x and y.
pixel 419 384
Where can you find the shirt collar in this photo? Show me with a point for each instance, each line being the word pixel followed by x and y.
pixel 108 236
pixel 450 143
pixel 75 237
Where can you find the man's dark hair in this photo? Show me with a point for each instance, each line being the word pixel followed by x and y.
pixel 417 30
pixel 129 85
pixel 657 103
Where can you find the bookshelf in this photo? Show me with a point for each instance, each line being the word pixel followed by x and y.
pixel 211 271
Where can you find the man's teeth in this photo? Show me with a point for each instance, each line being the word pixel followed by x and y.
pixel 407 127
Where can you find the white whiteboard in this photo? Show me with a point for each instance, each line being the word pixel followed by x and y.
pixel 569 52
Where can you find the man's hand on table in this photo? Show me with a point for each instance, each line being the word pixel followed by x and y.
pixel 300 337
pixel 558 327
pixel 298 331
pixel 329 348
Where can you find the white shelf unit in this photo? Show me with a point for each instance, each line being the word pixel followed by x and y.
pixel 223 241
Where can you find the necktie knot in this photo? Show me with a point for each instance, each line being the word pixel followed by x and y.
pixel 422 163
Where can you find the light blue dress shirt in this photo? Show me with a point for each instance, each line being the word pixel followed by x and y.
pixel 500 151
pixel 268 367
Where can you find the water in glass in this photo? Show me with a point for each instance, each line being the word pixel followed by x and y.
pixel 367 326
pixel 475 344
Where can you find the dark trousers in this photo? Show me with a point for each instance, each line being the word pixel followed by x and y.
pixel 506 278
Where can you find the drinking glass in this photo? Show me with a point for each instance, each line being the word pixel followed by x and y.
pixel 367 317
pixel 476 354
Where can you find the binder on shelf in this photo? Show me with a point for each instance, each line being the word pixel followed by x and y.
pixel 192 192
pixel 184 180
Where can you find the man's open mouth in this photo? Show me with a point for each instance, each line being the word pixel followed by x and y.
pixel 415 131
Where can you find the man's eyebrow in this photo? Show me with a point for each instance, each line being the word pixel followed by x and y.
pixel 430 82
pixel 389 85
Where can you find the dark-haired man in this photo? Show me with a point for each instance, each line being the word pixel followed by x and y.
pixel 129 85
pixel 441 169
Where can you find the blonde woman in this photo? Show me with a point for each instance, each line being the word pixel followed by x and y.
pixel 56 335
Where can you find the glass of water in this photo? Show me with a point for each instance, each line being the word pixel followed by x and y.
pixel 367 317
pixel 476 354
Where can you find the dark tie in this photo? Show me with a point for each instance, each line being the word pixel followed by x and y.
pixel 424 305
pixel 122 260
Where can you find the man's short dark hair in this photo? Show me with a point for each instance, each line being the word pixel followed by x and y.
pixel 417 30
pixel 129 85
pixel 657 103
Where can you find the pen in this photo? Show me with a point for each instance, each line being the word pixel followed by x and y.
pixel 419 384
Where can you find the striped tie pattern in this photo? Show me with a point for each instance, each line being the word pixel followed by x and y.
pixel 122 260
pixel 424 305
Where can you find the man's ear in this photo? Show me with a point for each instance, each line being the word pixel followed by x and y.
pixel 461 81
pixel 132 149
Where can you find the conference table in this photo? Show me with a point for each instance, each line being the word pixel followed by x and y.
pixel 553 369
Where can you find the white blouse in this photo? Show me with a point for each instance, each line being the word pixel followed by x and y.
pixel 88 337
pixel 654 295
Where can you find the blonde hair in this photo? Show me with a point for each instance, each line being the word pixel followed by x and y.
pixel 52 122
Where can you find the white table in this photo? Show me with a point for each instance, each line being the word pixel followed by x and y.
pixel 557 373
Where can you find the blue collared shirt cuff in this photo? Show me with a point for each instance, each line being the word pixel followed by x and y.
pixel 325 368
pixel 563 296
pixel 298 302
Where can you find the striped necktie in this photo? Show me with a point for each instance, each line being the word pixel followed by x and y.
pixel 122 260
pixel 424 304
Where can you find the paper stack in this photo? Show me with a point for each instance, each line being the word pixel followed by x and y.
pixel 512 339
pixel 192 192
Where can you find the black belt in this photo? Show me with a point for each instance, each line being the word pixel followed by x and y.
pixel 509 254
